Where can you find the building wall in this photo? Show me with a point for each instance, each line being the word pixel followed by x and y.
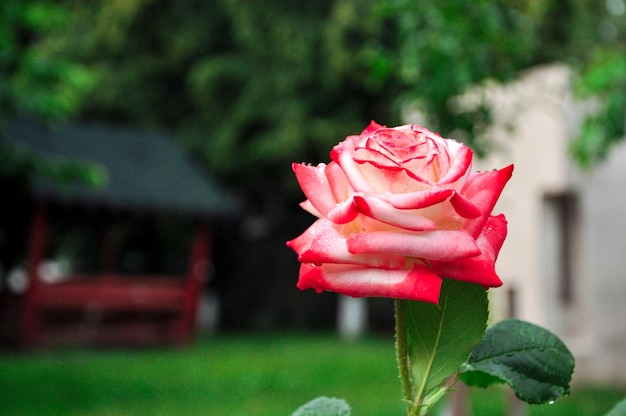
pixel 603 266
pixel 563 260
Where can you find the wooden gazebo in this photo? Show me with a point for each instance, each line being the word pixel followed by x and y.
pixel 147 180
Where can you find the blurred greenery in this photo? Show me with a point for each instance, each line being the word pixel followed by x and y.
pixel 35 82
pixel 236 375
pixel 256 85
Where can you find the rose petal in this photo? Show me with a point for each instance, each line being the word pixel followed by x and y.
pixel 389 181
pixel 372 127
pixel 338 182
pixel 479 269
pixel 315 186
pixel 365 155
pixel 324 243
pixel 473 270
pixel 302 243
pixel 417 284
pixel 308 207
pixel 443 245
pixel 324 185
pixel 492 237
pixel 417 200
pixel 484 189
pixel 382 211
pixel 343 213
pixel 351 169
pixel 460 166
pixel 464 207
pixel 424 173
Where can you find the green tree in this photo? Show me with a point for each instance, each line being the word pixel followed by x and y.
pixel 255 85
pixel 38 82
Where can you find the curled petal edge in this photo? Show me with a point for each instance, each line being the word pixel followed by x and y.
pixel 343 212
pixel 374 207
pixel 483 190
pixel 417 283
pixel 464 207
pixel 417 200
pixel 315 185
pixel 460 166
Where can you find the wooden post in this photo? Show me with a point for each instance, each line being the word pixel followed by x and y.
pixel 108 253
pixel 198 268
pixel 30 325
pixel 351 317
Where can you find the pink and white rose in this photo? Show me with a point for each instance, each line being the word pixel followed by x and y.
pixel 399 209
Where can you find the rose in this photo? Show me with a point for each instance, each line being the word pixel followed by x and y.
pixel 398 210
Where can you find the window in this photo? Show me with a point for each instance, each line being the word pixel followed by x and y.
pixel 560 223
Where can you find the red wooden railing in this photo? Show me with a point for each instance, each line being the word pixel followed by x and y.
pixel 111 309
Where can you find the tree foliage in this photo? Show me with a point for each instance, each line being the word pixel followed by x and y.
pixel 244 83
pixel 36 79
pixel 258 84
pixel 39 82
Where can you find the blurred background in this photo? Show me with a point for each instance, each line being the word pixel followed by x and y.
pixel 147 192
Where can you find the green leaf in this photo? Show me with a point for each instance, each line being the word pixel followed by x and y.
pixel 324 406
pixel 529 358
pixel 441 337
pixel 618 410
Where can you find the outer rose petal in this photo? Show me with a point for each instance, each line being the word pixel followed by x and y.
pixel 492 237
pixel 483 190
pixel 442 245
pixel 417 283
pixel 472 270
pixel 315 186
pixel 479 269
pixel 322 185
pixel 338 182
pixel 372 127
pixel 323 243
pixel 308 207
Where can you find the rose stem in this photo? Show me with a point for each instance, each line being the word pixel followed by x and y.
pixel 402 351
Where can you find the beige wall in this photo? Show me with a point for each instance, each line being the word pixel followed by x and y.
pixel 602 273
pixel 593 323
pixel 535 143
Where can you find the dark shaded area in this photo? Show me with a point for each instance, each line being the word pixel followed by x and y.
pixel 122 261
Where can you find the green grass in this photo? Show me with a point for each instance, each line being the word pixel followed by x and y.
pixel 233 375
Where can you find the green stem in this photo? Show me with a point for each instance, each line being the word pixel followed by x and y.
pixel 402 352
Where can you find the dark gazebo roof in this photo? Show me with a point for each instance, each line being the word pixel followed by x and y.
pixel 144 170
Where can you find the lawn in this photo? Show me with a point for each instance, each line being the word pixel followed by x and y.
pixel 233 375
